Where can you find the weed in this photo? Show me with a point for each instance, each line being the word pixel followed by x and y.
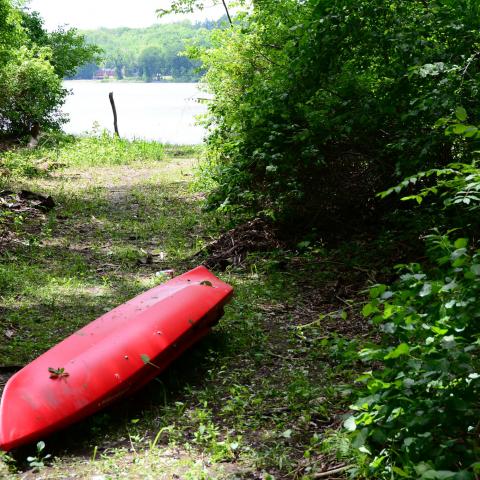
pixel 7 465
pixel 38 461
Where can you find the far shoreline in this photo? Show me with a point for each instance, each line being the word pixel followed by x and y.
pixel 130 80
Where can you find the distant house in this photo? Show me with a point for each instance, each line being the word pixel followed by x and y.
pixel 104 73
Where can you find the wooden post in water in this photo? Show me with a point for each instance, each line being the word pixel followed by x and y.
pixel 112 103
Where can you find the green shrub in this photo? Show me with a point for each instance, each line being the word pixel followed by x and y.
pixel 420 412
pixel 319 104
pixel 33 63
pixel 31 92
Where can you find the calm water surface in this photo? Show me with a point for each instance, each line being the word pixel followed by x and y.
pixel 155 111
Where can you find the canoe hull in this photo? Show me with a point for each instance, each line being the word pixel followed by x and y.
pixel 111 357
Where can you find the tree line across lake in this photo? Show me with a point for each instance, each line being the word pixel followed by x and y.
pixel 153 53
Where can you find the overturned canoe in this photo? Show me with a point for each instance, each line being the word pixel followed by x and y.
pixel 113 356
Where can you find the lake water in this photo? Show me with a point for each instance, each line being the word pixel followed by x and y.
pixel 154 111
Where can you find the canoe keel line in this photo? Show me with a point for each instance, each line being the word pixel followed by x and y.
pixel 113 356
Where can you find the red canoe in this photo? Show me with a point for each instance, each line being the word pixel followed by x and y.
pixel 110 357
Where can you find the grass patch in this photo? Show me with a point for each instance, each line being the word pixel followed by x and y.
pixel 57 150
pixel 256 399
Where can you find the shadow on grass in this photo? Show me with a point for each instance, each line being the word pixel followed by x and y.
pixel 113 422
pixel 48 301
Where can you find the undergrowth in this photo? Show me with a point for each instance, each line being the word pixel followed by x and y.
pixel 418 412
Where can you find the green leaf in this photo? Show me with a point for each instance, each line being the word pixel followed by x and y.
pixel 350 424
pixel 426 290
pixel 459 252
pixel 417 198
pixel 145 358
pixel 368 309
pixel 402 349
pixel 461 242
pixel 399 471
pixel 377 290
pixel 360 438
pixel 470 132
pixel 438 475
pixel 388 311
pixel 459 128
pixel 364 449
pixel 461 114
pixel 377 461
pixel 475 268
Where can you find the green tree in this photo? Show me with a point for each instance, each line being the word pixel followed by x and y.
pixel 32 65
pixel 150 61
pixel 119 60
pixel 69 49
pixel 87 71
pixel 11 35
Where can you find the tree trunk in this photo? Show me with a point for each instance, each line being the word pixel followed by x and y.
pixel 34 134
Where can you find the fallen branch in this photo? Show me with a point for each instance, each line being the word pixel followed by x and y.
pixel 329 473
pixel 233 247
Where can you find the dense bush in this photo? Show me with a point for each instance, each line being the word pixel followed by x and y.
pixel 419 413
pixel 319 105
pixel 31 92
pixel 307 90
